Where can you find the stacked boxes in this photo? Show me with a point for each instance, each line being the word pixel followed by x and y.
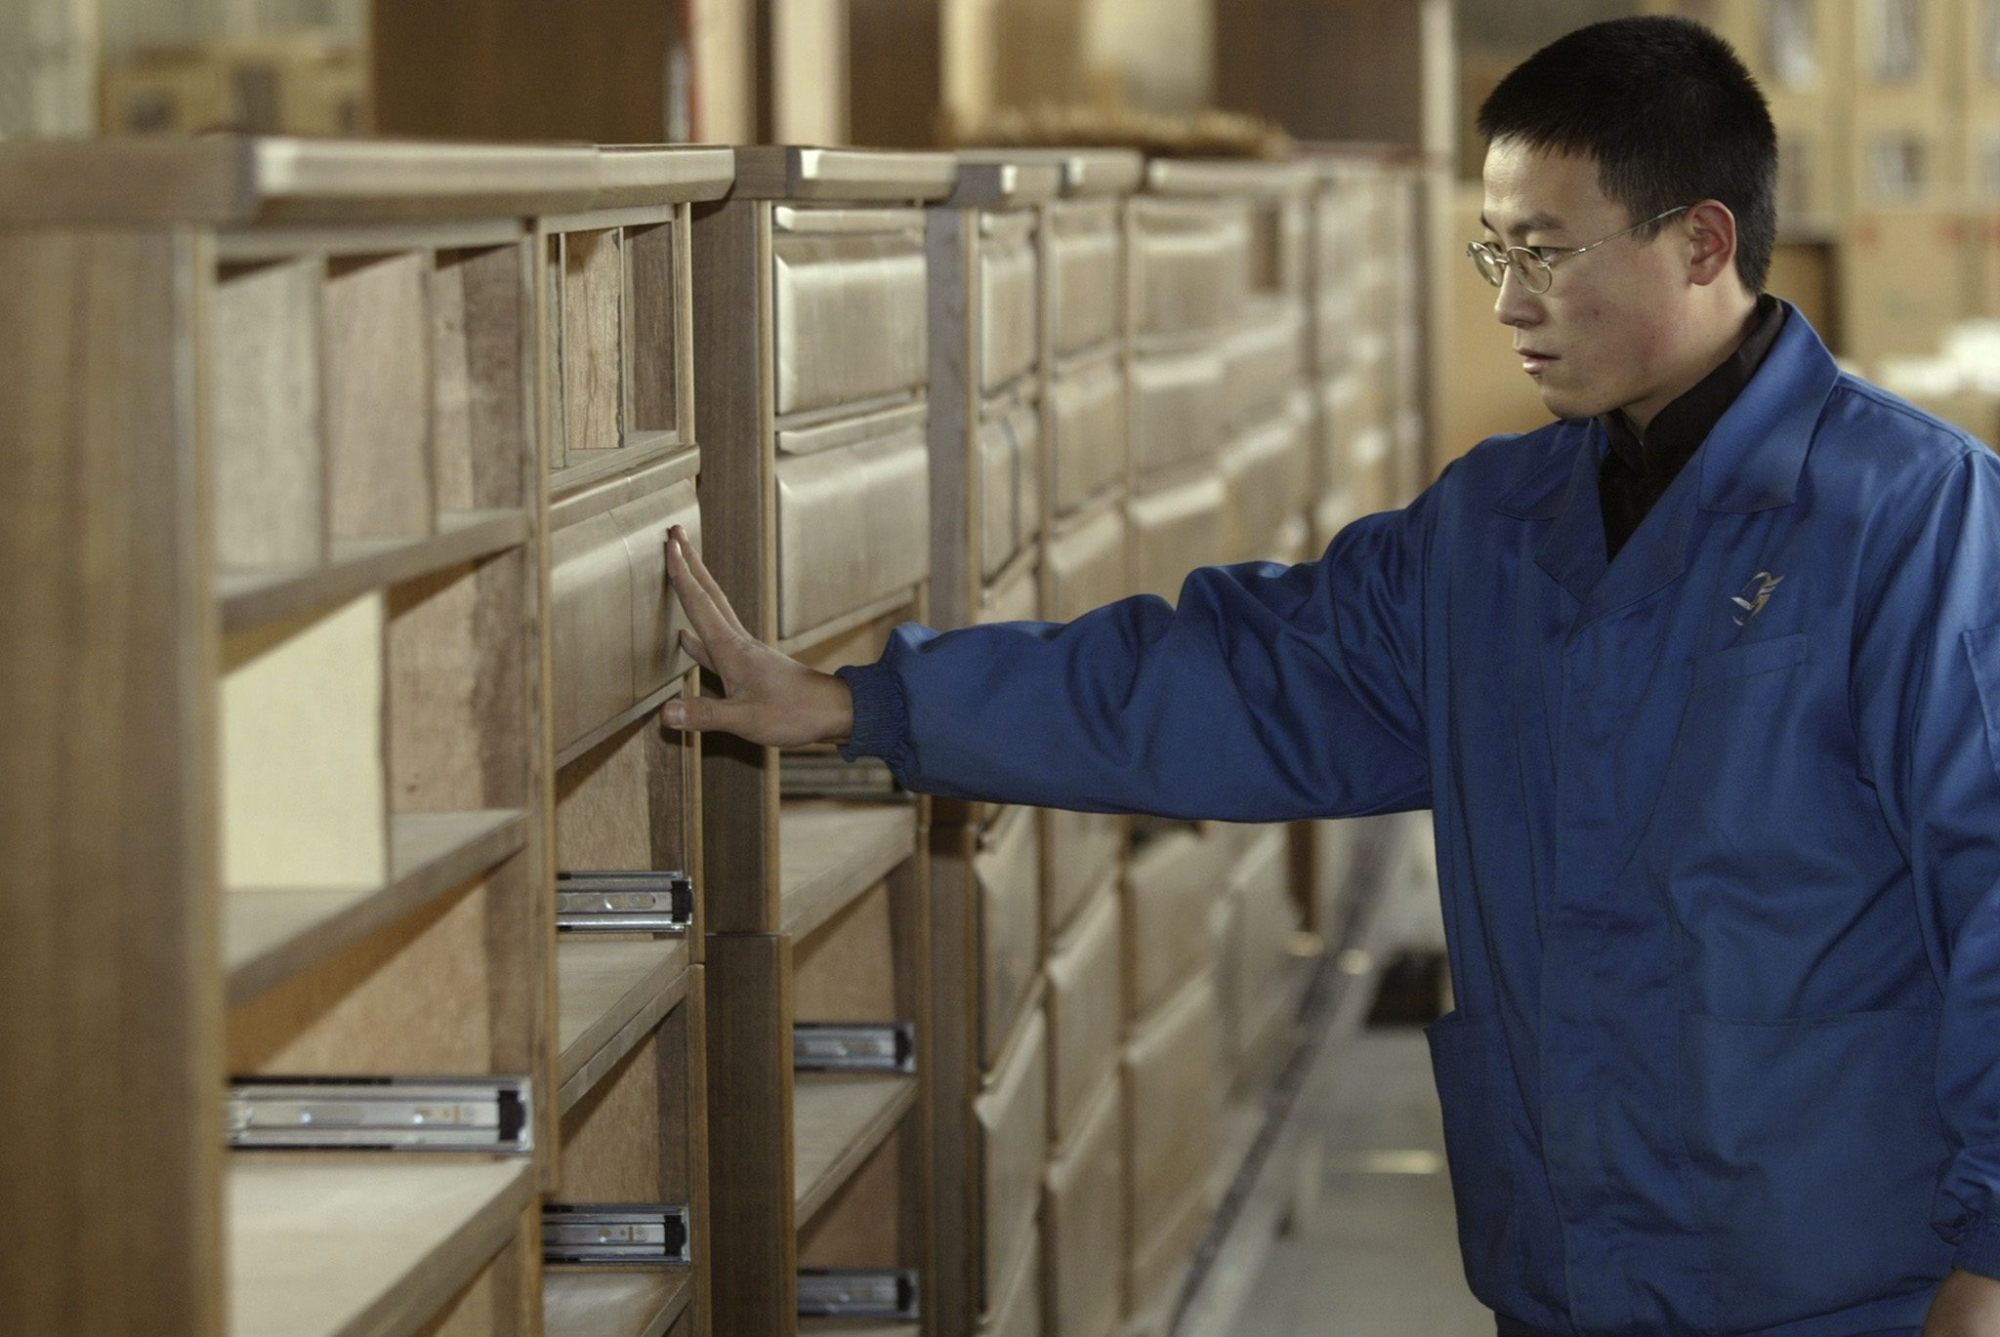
pixel 298 85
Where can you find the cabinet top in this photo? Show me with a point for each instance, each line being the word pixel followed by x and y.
pixel 1085 172
pixel 229 180
pixel 790 172
pixel 1224 176
pixel 641 174
pixel 1003 182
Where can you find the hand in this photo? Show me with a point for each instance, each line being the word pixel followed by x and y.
pixel 1967 1305
pixel 769 697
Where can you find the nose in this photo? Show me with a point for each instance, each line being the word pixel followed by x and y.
pixel 1515 306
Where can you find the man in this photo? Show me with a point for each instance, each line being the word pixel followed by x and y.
pixel 1702 683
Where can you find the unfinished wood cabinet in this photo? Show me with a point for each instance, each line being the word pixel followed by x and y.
pixel 815 491
pixel 1172 1108
pixel 291 449
pixel 1083 1219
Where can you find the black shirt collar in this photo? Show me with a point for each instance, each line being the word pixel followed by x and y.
pixel 1678 430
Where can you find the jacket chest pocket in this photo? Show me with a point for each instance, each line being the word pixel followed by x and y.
pixel 1742 727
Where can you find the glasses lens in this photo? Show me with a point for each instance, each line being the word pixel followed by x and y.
pixel 1491 267
pixel 1531 269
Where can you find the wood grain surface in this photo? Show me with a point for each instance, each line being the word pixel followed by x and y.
pixel 377 340
pixel 269 452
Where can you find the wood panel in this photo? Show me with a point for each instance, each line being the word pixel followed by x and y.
pixel 107 707
pixel 269 461
pixel 377 349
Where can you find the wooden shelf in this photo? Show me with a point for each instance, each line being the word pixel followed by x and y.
pixel 270 936
pixel 838 1327
pixel 328 1246
pixel 360 565
pixel 579 1302
pixel 622 721
pixel 610 995
pixel 830 852
pixel 838 1119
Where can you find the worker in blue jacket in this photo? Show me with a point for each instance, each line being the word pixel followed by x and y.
pixel 1702 684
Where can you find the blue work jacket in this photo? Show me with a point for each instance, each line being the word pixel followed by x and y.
pixel 1718 831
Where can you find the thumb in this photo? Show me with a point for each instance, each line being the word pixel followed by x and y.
pixel 701 714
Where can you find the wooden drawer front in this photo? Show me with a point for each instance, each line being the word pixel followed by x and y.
pixel 1265 362
pixel 1266 915
pixel 1159 1264
pixel 1175 531
pixel 1083 1220
pixel 1339 404
pixel 1191 267
pixel 1087 566
pixel 616 629
pixel 1177 409
pixel 1010 499
pixel 1079 850
pixel 1020 601
pixel 1084 250
pixel 1009 312
pixel 1269 473
pixel 1170 886
pixel 1013 1143
pixel 1173 1101
pixel 848 308
pixel 1007 881
pixel 853 525
pixel 1019 1313
pixel 1087 421
pixel 1086 1011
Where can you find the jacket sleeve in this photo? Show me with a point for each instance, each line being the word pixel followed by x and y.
pixel 1927 705
pixel 1268 694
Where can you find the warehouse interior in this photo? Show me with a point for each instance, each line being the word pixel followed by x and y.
pixel 380 963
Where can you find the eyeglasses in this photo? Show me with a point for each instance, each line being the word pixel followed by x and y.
pixel 1535 266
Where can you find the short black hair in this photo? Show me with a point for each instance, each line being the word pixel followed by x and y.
pixel 1667 111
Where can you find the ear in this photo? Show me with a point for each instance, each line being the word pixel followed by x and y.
pixel 1711 231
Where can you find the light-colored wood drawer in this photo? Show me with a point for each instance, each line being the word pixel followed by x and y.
pixel 1086 565
pixel 1174 531
pixel 1159 1266
pixel 1006 880
pixel 1019 600
pixel 1012 1115
pixel 615 636
pixel 1079 850
pixel 1086 1007
pixel 1170 885
pixel 1010 499
pixel 1009 307
pixel 1339 423
pixel 1258 968
pixel 1265 362
pixel 848 305
pixel 1083 1220
pixel 1019 1313
pixel 1173 1102
pixel 1269 473
pixel 853 516
pixel 1190 266
pixel 1085 251
pixel 1178 405
pixel 1087 432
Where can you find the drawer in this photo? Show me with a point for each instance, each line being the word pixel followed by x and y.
pixel 1269 474
pixel 848 305
pixel 1087 432
pixel 615 631
pixel 1083 1220
pixel 1012 1114
pixel 1019 1312
pixel 1169 887
pixel 1086 565
pixel 853 516
pixel 1190 266
pixel 1010 498
pixel 1178 402
pixel 1280 240
pixel 1019 601
pixel 1339 410
pixel 1007 883
pixel 1079 850
pixel 1173 1103
pixel 1174 531
pixel 1086 1007
pixel 1158 1266
pixel 1085 248
pixel 1265 362
pixel 1009 309
pixel 1259 968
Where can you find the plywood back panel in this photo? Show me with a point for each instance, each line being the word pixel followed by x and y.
pixel 613 1139
pixel 269 460
pixel 481 308
pixel 604 817
pixel 846 971
pixel 861 1225
pixel 590 358
pixel 378 392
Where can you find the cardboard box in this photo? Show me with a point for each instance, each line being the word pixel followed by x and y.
pixel 302 85
pixel 1902 282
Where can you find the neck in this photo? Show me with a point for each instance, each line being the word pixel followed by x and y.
pixel 1731 326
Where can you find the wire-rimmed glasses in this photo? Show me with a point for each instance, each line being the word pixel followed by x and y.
pixel 1535 266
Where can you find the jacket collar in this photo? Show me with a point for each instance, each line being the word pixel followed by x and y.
pixel 1751 460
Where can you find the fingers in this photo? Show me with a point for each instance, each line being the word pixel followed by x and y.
pixel 696 649
pixel 706 579
pixel 710 623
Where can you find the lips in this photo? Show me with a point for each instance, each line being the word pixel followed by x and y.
pixel 1534 362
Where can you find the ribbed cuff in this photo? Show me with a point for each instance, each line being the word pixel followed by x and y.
pixel 1979 1251
pixel 881 715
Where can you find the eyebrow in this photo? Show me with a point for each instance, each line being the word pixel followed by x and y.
pixel 1532 223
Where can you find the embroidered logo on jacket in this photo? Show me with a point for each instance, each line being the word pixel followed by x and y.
pixel 1755 595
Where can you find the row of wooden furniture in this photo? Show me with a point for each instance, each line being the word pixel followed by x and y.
pixel 338 630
